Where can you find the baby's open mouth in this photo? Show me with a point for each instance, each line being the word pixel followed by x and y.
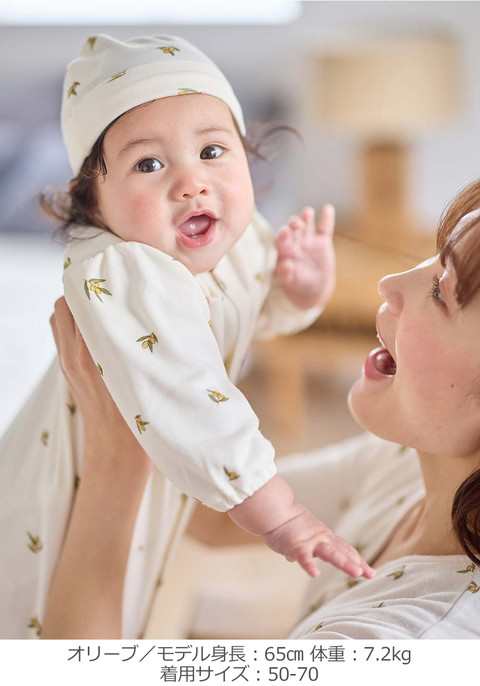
pixel 196 226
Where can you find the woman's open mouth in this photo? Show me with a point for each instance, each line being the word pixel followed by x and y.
pixel 380 363
pixel 197 231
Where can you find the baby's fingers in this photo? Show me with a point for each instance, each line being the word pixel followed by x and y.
pixel 285 242
pixel 326 221
pixel 346 561
pixel 307 562
pixel 285 271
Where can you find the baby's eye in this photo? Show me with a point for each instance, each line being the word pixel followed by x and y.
pixel 211 152
pixel 149 164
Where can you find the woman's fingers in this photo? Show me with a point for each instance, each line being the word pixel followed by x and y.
pixel 64 316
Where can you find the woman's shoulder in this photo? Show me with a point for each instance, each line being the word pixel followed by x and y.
pixel 361 449
pixel 417 596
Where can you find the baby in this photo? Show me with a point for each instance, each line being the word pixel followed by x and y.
pixel 170 273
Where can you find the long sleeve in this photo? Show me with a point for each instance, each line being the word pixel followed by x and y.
pixel 145 321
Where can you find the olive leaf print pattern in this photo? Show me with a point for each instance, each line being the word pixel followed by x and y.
pixel 148 341
pixel 100 368
pixel 141 424
pixel 468 569
pixel 71 408
pixel 397 574
pixel 169 50
pixel 67 263
pixel 216 396
pixel 91 40
pixel 231 475
pixel 35 544
pixel 116 76
pixel 93 286
pixel 473 587
pixel 35 624
pixel 44 437
pixel 228 362
pixel 186 91
pixel 73 89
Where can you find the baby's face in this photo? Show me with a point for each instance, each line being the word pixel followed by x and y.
pixel 177 179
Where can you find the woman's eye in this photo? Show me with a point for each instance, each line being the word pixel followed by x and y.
pixel 211 152
pixel 149 164
pixel 435 290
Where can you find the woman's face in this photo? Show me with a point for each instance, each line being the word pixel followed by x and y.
pixel 432 402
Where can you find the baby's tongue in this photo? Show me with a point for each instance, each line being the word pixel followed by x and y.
pixel 195 225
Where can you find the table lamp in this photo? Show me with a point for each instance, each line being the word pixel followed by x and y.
pixel 386 92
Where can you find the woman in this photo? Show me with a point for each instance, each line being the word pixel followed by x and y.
pixel 415 512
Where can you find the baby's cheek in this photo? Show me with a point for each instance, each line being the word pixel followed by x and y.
pixel 141 208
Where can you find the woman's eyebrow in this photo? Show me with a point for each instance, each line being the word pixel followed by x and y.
pixel 159 139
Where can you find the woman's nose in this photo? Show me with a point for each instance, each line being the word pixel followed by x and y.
pixel 389 288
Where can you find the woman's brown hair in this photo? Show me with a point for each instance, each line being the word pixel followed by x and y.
pixel 454 226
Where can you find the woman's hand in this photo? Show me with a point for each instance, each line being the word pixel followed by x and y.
pixel 108 440
pixel 86 590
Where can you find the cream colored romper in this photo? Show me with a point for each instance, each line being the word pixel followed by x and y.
pixel 170 347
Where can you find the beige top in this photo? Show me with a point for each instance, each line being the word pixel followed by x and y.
pixel 202 329
pixel 362 488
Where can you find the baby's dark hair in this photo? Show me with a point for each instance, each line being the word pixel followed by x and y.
pixel 79 204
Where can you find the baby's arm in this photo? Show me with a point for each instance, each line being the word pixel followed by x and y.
pixel 290 529
pixel 145 321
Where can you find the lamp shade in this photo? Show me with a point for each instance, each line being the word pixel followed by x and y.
pixel 389 88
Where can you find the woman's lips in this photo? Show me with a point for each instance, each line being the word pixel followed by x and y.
pixel 379 364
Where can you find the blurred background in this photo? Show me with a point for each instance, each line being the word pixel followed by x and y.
pixel 386 97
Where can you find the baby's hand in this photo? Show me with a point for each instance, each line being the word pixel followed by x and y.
pixel 304 538
pixel 306 258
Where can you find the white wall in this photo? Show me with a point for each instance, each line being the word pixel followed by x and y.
pixel 272 58
pixel 30 281
pixel 256 59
